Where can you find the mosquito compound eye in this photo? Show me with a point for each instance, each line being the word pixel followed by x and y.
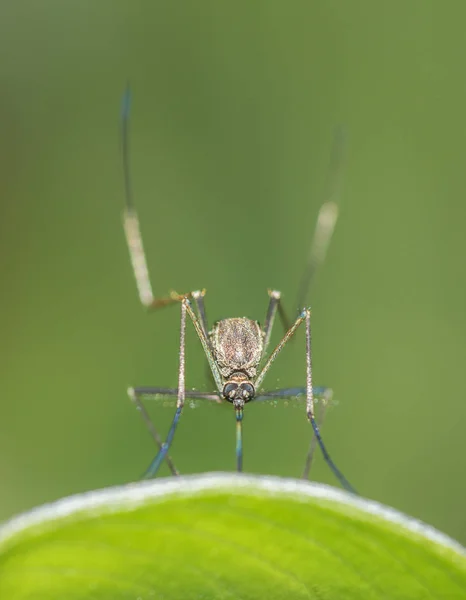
pixel 248 391
pixel 229 390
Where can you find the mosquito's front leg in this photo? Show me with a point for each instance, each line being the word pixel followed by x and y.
pixel 305 316
pixel 155 465
pixel 200 330
pixel 289 334
pixel 310 409
pixel 325 399
pixel 185 309
pixel 324 395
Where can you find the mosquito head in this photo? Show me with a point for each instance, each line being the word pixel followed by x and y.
pixel 238 390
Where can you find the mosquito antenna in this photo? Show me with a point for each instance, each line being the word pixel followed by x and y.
pixel 125 111
pixel 326 219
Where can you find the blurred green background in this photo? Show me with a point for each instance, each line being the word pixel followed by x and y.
pixel 234 105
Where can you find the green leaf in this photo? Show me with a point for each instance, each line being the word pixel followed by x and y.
pixel 225 536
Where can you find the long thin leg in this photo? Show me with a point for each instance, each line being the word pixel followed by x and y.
pixel 205 344
pixel 139 264
pixel 325 397
pixel 325 401
pixel 155 464
pixel 154 392
pixel 185 308
pixel 278 349
pixel 198 297
pixel 294 392
pixel 134 395
pixel 274 305
pixel 326 220
pixel 305 316
pixel 310 409
pixel 131 225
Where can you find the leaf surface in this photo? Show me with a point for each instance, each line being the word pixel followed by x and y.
pixel 225 536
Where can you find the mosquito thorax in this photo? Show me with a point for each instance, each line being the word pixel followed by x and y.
pixel 238 389
pixel 237 344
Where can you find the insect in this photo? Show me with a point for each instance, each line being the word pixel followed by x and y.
pixel 235 348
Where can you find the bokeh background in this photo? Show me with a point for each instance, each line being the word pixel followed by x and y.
pixel 234 107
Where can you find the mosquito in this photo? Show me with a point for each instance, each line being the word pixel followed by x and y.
pixel 235 348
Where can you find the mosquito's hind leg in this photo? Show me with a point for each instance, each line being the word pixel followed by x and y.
pixel 198 297
pixel 275 304
pixel 326 219
pixel 132 229
pixel 139 264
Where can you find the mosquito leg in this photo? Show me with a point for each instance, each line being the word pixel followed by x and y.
pixel 305 316
pixel 185 308
pixel 139 264
pixel 325 397
pixel 319 391
pixel 155 464
pixel 132 229
pixel 205 345
pixel 283 317
pixel 326 220
pixel 154 392
pixel 291 331
pixel 218 380
pixel 274 305
pixel 310 409
pixel 325 401
pixel 135 396
pixel 274 301
pixel 198 298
